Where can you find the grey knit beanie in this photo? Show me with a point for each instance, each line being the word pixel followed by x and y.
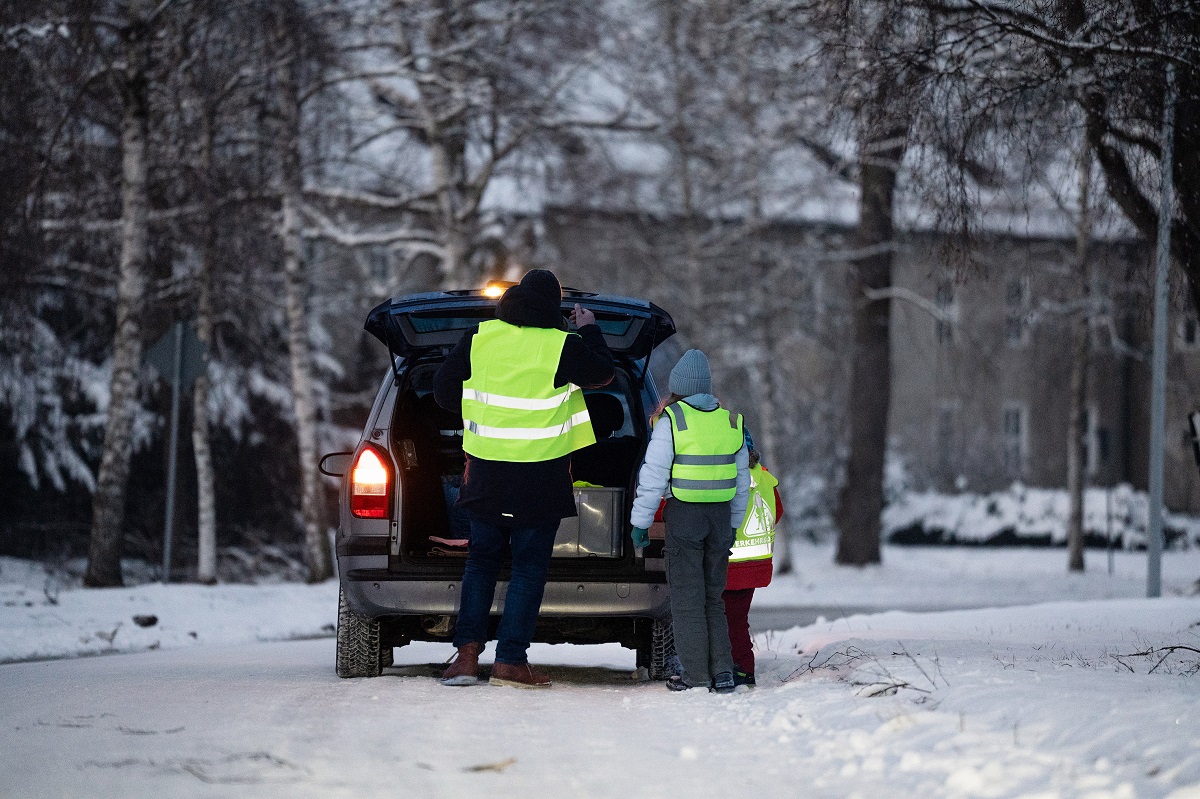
pixel 691 376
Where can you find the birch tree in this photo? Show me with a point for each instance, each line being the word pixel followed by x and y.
pixel 216 91
pixel 131 80
pixel 291 36
pixel 474 92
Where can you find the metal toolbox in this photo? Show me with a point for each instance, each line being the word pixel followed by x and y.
pixel 597 531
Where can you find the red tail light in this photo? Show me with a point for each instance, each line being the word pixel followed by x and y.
pixel 369 483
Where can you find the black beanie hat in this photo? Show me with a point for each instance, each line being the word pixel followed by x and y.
pixel 544 283
pixel 534 302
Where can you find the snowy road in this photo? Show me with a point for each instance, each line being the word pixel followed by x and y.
pixel 1045 701
pixel 1062 700
pixel 195 723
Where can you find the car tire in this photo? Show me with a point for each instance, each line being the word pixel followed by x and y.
pixel 358 644
pixel 386 657
pixel 657 653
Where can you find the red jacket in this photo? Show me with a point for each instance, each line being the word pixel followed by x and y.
pixel 747 573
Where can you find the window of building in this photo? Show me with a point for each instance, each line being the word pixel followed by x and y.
pixel 808 306
pixel 1016 318
pixel 1095 450
pixel 1015 438
pixel 944 323
pixel 380 263
pixel 943 434
pixel 1189 333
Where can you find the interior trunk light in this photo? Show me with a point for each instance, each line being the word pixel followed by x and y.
pixel 369 486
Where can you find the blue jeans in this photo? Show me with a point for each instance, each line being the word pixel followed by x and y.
pixel 531 548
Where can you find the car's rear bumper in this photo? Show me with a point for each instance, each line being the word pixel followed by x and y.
pixel 375 598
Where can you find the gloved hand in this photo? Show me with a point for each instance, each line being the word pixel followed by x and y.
pixel 641 537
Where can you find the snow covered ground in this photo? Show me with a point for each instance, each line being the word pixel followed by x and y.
pixel 1081 695
pixel 49 616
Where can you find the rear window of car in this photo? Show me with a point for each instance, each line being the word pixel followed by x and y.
pixel 437 323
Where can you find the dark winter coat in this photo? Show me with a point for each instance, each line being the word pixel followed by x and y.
pixel 524 494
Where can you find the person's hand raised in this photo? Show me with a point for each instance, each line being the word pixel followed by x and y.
pixel 582 316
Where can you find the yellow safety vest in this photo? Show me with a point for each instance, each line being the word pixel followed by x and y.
pixel 511 409
pixel 756 537
pixel 706 447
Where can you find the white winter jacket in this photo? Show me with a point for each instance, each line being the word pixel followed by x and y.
pixel 654 478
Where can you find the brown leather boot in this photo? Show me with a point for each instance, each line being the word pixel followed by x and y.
pixel 464 670
pixel 518 675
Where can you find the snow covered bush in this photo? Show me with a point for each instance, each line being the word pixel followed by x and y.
pixel 1021 515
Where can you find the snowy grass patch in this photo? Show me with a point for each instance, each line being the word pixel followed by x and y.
pixel 45 616
pixel 1058 699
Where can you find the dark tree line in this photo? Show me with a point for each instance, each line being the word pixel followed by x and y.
pixel 182 159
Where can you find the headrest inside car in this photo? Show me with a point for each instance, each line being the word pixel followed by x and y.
pixel 435 415
pixel 608 415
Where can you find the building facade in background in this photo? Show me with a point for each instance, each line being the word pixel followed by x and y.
pixel 981 388
pixel 982 343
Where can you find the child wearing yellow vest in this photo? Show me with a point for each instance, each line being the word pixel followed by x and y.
pixel 750 564
pixel 697 458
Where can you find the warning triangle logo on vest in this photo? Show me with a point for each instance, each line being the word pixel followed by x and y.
pixel 756 537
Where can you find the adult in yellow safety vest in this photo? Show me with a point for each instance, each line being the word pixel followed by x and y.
pixel 517 381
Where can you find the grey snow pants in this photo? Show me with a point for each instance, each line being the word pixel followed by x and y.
pixel 697 547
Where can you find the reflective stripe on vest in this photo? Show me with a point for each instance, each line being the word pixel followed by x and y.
pixel 511 409
pixel 526 433
pixel 501 401
pixel 706 447
pixel 756 537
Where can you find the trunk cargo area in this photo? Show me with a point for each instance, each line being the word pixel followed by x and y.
pixel 427 444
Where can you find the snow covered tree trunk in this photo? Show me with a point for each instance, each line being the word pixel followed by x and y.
pixel 108 503
pixel 206 521
pixel 860 502
pixel 1077 424
pixel 296 291
pixel 447 136
pixel 447 167
pixel 206 500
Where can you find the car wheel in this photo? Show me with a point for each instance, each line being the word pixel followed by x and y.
pixel 386 657
pixel 657 654
pixel 358 650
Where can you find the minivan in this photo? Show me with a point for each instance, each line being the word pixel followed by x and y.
pixel 401 543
